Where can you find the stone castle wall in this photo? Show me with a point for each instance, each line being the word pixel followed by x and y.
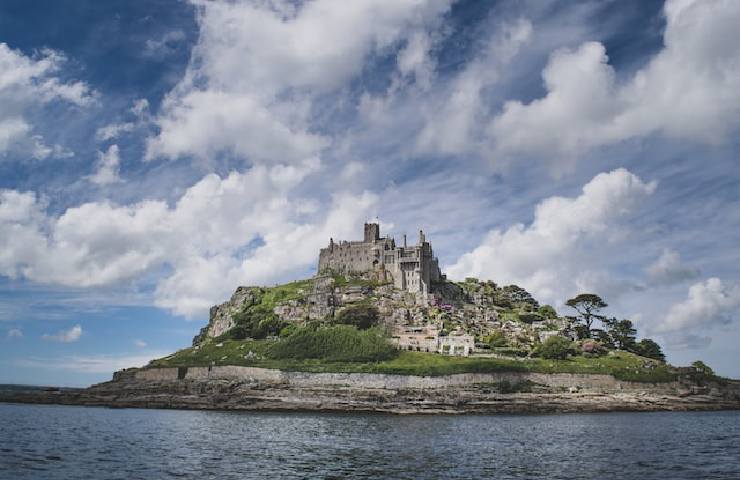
pixel 411 268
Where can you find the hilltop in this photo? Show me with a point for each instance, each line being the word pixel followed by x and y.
pixel 378 306
pixel 380 328
pixel 340 324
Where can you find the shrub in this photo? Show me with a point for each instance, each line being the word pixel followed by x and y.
pixel 553 348
pixel 531 317
pixel 497 339
pixel 340 343
pixel 592 348
pixel 362 316
pixel 288 330
pixel 239 332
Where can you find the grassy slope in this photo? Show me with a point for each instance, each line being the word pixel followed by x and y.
pixel 622 365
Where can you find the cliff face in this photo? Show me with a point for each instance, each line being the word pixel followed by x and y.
pixel 247 388
pixel 469 308
pixel 221 317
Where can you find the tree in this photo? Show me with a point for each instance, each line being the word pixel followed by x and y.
pixel 547 311
pixel 648 348
pixel 555 347
pixel 238 332
pixel 622 333
pixel 588 306
pixel 703 368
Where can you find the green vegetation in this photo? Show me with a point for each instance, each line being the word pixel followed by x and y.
pixel 343 281
pixel 340 343
pixel 648 348
pixel 547 311
pixel 702 368
pixel 588 306
pixel 282 293
pixel 554 348
pixel 362 315
pixel 622 365
pixel 256 319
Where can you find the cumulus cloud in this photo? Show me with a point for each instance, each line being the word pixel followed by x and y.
pixel 690 89
pixel 27 83
pixel 562 252
pixel 223 231
pixel 259 66
pixel 709 303
pixel 107 167
pixel 65 336
pixel 669 269
pixel 140 343
pixel 15 333
pixel 453 119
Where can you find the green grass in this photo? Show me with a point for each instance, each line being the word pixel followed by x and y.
pixel 283 293
pixel 332 344
pixel 622 365
pixel 342 281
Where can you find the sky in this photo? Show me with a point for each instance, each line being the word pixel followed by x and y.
pixel 155 155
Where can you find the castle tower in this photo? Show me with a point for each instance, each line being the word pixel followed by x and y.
pixel 372 232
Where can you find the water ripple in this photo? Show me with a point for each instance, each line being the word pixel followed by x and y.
pixel 58 442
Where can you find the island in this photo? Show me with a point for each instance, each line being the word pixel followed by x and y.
pixel 380 328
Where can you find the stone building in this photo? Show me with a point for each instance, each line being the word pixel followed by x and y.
pixel 428 338
pixel 411 268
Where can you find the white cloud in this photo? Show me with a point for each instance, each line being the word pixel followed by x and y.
pixel 65 336
pixel 140 111
pixel 113 130
pixel 107 167
pixel 669 269
pixel 562 252
pixel 203 239
pixel 140 343
pixel 258 67
pixel 708 304
pixel 690 89
pixel 27 83
pixel 91 363
pixel 164 46
pixel 453 119
pixel 15 333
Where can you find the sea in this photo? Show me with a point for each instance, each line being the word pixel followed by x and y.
pixel 66 442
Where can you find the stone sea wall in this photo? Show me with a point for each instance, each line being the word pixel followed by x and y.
pixel 246 388
pixel 556 382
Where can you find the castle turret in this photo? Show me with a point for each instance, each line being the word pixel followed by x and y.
pixel 372 232
pixel 421 237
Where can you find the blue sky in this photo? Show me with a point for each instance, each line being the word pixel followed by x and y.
pixel 155 155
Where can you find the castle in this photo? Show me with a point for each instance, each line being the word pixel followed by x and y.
pixel 411 268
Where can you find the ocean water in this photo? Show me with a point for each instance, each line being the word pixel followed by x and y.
pixel 59 442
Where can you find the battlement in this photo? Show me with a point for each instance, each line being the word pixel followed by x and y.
pixel 411 268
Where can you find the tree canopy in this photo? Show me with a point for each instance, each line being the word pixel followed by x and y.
pixel 588 306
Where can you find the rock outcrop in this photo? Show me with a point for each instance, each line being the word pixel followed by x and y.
pixel 248 388
pixel 221 317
